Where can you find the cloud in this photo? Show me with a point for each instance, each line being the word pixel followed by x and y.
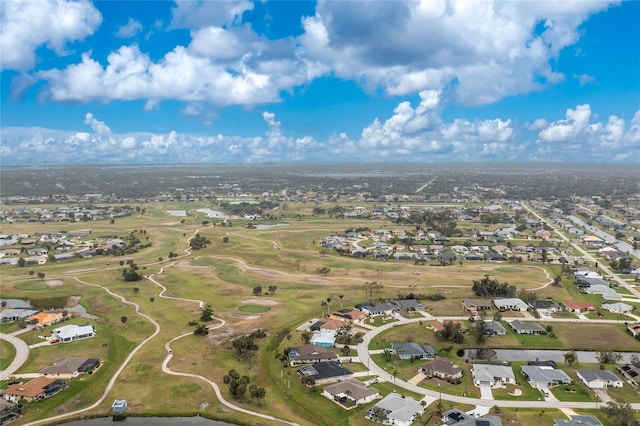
pixel 98 126
pixel 584 79
pixel 482 51
pixel 27 25
pixel 130 29
pixel 411 133
pixel 562 130
pixel 203 13
pixel 474 53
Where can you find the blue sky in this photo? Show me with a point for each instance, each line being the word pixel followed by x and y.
pixel 338 81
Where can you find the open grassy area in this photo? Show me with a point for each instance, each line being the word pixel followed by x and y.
pixel 223 275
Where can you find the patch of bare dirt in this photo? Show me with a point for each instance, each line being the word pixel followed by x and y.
pixel 319 280
pixel 187 264
pixel 259 301
pixel 54 283
pixel 271 274
pixel 245 316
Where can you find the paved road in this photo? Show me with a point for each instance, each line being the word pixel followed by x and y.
pixel 22 353
pixel 363 354
pixel 584 253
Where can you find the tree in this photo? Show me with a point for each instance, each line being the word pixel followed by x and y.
pixel 3 303
pixel 41 275
pixel 201 330
pixel 257 290
pixel 131 274
pixel 487 354
pixel 323 271
pixel 272 289
pixel 207 313
pixel 31 272
pixel 21 262
pixel 346 350
pixel 136 290
pixel 479 329
pixel 609 357
pixel 152 299
pixel 329 299
pixel 123 319
pixel 621 412
pixel 306 337
pixel 570 357
pixel 340 296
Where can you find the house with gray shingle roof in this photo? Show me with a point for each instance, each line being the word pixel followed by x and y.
pixel 543 376
pixel 395 409
pixel 527 327
pixel 492 374
pixel 350 393
pixel 599 379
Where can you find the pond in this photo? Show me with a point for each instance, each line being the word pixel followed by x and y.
pixel 545 355
pixel 181 213
pixel 212 213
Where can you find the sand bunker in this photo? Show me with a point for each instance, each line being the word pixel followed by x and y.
pixel 256 301
pixel 54 283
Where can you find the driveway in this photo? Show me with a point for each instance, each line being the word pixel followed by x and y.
pixel 485 392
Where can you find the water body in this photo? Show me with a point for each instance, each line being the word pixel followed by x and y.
pixel 17 303
pixel 25 304
pixel 270 226
pixel 213 213
pixel 545 355
pixel 150 421
pixel 181 213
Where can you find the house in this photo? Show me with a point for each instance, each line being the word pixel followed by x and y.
pixel 617 307
pixel 45 318
pixel 375 308
pixel 545 306
pixel 325 372
pixel 16 314
pixel 599 379
pixel 412 351
pixel 492 375
pixel 350 393
pixel 543 376
pixel 69 333
pixel 405 304
pixel 439 326
pixel 510 304
pixel 349 315
pixel 634 329
pixel 455 417
pixel 39 388
pixel 324 339
pixel 476 304
pixel 578 307
pixel 631 372
pixel 494 328
pixel 395 409
pixel 308 354
pixel 71 367
pixel 441 368
pixel 578 420
pixel 527 327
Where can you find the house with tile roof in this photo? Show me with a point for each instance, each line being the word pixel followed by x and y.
pixel 39 388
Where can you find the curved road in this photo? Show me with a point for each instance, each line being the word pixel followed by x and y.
pixel 22 353
pixel 363 354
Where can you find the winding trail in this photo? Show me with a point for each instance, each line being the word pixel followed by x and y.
pixel 215 387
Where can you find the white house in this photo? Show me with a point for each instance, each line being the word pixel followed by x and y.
pixel 599 379
pixel 395 409
pixel 617 307
pixel 510 304
pixel 492 375
pixel 69 333
pixel 350 393
pixel 542 376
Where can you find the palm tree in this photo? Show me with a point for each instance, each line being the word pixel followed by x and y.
pixel 323 304
pixel 340 296
pixel 329 299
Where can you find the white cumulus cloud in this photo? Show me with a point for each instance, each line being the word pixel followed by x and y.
pixel 26 25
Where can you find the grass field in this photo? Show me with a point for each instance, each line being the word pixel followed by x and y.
pixel 223 275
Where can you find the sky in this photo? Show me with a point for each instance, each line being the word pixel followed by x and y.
pixel 338 81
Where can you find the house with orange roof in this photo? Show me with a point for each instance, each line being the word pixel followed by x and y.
pixel 38 388
pixel 45 318
pixel 577 307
